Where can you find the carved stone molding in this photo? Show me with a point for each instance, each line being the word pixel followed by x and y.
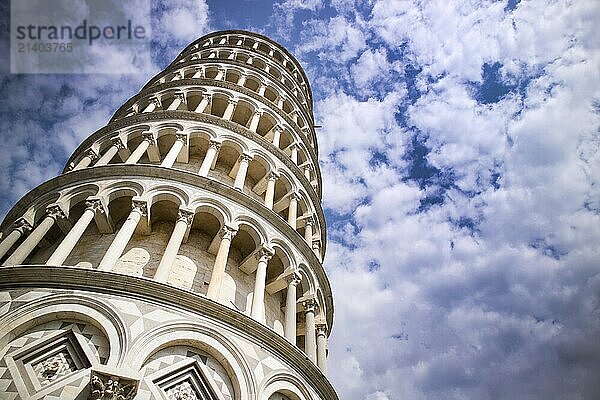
pixel 105 386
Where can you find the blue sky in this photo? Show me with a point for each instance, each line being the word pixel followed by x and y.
pixel 460 160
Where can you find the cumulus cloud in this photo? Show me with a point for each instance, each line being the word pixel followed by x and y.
pixel 45 117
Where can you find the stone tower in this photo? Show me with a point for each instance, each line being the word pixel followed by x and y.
pixel 179 255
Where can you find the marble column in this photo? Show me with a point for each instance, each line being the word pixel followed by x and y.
pixel 240 177
pixel 117 145
pixel 218 273
pixel 67 245
pixel 198 74
pixel 316 247
pixel 139 209
pixel 141 148
pixel 203 103
pixel 277 136
pixel 174 151
pixel 294 154
pixel 254 121
pixel 19 228
pixel 261 90
pixel 242 80
pixel 184 220
pixel 209 158
pixel 293 210
pixel 270 192
pixel 258 298
pixel 229 109
pixel 307 169
pixel 53 212
pixel 310 307
pixel 152 105
pixel 308 230
pixel 290 307
pixel 90 156
pixel 179 100
pixel 322 348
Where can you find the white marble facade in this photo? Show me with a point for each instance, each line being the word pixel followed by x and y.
pixel 179 255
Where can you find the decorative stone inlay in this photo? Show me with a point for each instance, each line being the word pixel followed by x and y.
pixel 104 386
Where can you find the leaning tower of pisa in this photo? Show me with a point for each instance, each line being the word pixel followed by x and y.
pixel 179 254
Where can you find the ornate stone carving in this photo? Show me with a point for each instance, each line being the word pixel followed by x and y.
pixel 185 215
pixel 310 305
pixel 22 225
pixel 293 279
pixel 227 232
pixel 140 206
pixel 111 387
pixel 149 136
pixel 321 329
pixel 91 154
pixel 54 211
pixel 264 254
pixel 116 141
pixel 95 205
pixel 215 145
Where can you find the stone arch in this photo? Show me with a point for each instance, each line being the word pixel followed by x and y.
pixel 164 192
pixel 308 282
pixel 212 206
pixel 74 195
pixel 70 306
pixel 202 337
pixel 284 383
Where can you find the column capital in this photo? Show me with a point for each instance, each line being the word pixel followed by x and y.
pixel 215 145
pixel 321 329
pixel 117 142
pixel 149 136
pixel 310 305
pixel 293 279
pixel 91 154
pixel 227 232
pixel 155 100
pixel 95 205
pixel 264 254
pixel 316 245
pixel 245 157
pixel 54 211
pixel 111 387
pixel 273 176
pixel 185 215
pixel 181 136
pixel 180 96
pixel 295 196
pixel 22 225
pixel 308 167
pixel 310 220
pixel 140 206
pixel 233 101
pixel 278 128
